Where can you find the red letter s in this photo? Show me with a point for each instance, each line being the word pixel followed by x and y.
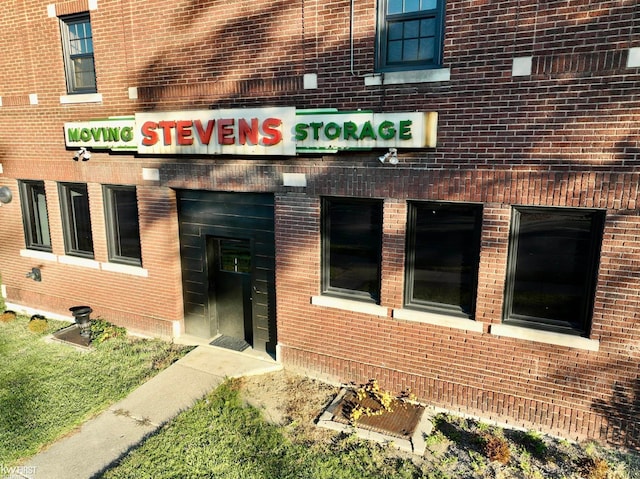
pixel 272 136
pixel 149 133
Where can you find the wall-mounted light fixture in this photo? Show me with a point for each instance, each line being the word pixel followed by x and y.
pixel 391 156
pixel 82 154
pixel 5 195
pixel 34 274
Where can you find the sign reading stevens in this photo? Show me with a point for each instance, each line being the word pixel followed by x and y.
pixel 258 131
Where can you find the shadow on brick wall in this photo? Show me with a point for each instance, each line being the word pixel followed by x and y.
pixel 621 414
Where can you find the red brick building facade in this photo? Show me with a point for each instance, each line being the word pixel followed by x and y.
pixel 495 273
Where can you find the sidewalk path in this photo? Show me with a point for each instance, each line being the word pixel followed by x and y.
pixel 109 436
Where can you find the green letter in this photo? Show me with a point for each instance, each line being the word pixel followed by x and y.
pixel 386 130
pixel 301 131
pixel 332 135
pixel 405 129
pixel 95 133
pixel 114 134
pixel 350 130
pixel 367 131
pixel 85 134
pixel 126 134
pixel 316 127
pixel 74 134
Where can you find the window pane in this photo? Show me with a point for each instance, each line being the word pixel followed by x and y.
pixel 126 216
pixel 394 6
pixel 355 232
pixel 80 38
pixel 552 263
pixel 426 48
pixel 412 29
pixel 411 5
pixel 235 256
pixel 555 267
pixel 76 220
pixel 428 4
pixel 395 31
pixel 35 215
pixel 410 50
pixel 394 52
pixel 81 219
pixel 445 254
pixel 427 27
pixel 40 216
pixel 84 73
pixel 121 211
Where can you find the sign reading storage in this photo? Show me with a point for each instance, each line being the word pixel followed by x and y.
pixel 258 131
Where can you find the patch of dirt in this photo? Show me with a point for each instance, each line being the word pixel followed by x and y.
pixel 457 447
pixel 288 399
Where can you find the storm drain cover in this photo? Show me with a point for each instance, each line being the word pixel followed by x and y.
pixel 71 335
pixel 230 342
pixel 405 426
pixel 400 421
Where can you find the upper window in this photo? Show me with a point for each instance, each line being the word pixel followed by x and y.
pixel 123 230
pixel 443 253
pixel 34 215
pixel 553 264
pixel 76 219
pixel 410 34
pixel 351 249
pixel 77 47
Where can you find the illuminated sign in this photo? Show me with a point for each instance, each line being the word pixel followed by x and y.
pixel 258 131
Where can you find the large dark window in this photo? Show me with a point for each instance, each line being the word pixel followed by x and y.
pixel 443 249
pixel 76 220
pixel 123 230
pixel 553 262
pixel 77 48
pixel 352 241
pixel 34 215
pixel 410 34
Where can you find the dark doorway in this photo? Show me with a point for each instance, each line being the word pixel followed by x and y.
pixel 227 246
pixel 229 273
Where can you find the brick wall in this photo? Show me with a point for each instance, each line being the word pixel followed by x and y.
pixel 565 135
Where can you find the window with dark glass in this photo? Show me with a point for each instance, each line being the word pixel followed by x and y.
pixel 35 216
pixel 443 252
pixel 76 219
pixel 553 263
pixel 123 228
pixel 351 247
pixel 77 48
pixel 410 34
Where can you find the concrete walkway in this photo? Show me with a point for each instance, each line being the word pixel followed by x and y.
pixel 109 436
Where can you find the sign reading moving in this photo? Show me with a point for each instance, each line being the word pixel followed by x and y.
pixel 258 131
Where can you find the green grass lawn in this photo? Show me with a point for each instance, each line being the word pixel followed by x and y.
pixel 47 389
pixel 222 438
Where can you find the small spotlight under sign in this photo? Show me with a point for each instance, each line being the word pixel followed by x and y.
pixel 82 154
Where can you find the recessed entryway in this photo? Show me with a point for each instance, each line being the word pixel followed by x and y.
pixel 227 247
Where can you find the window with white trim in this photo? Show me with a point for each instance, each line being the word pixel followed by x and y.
pixel 35 217
pixel 410 34
pixel 77 49
pixel 351 248
pixel 123 228
pixel 552 268
pixel 442 257
pixel 76 219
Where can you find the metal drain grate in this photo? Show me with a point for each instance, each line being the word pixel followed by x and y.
pixel 401 422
